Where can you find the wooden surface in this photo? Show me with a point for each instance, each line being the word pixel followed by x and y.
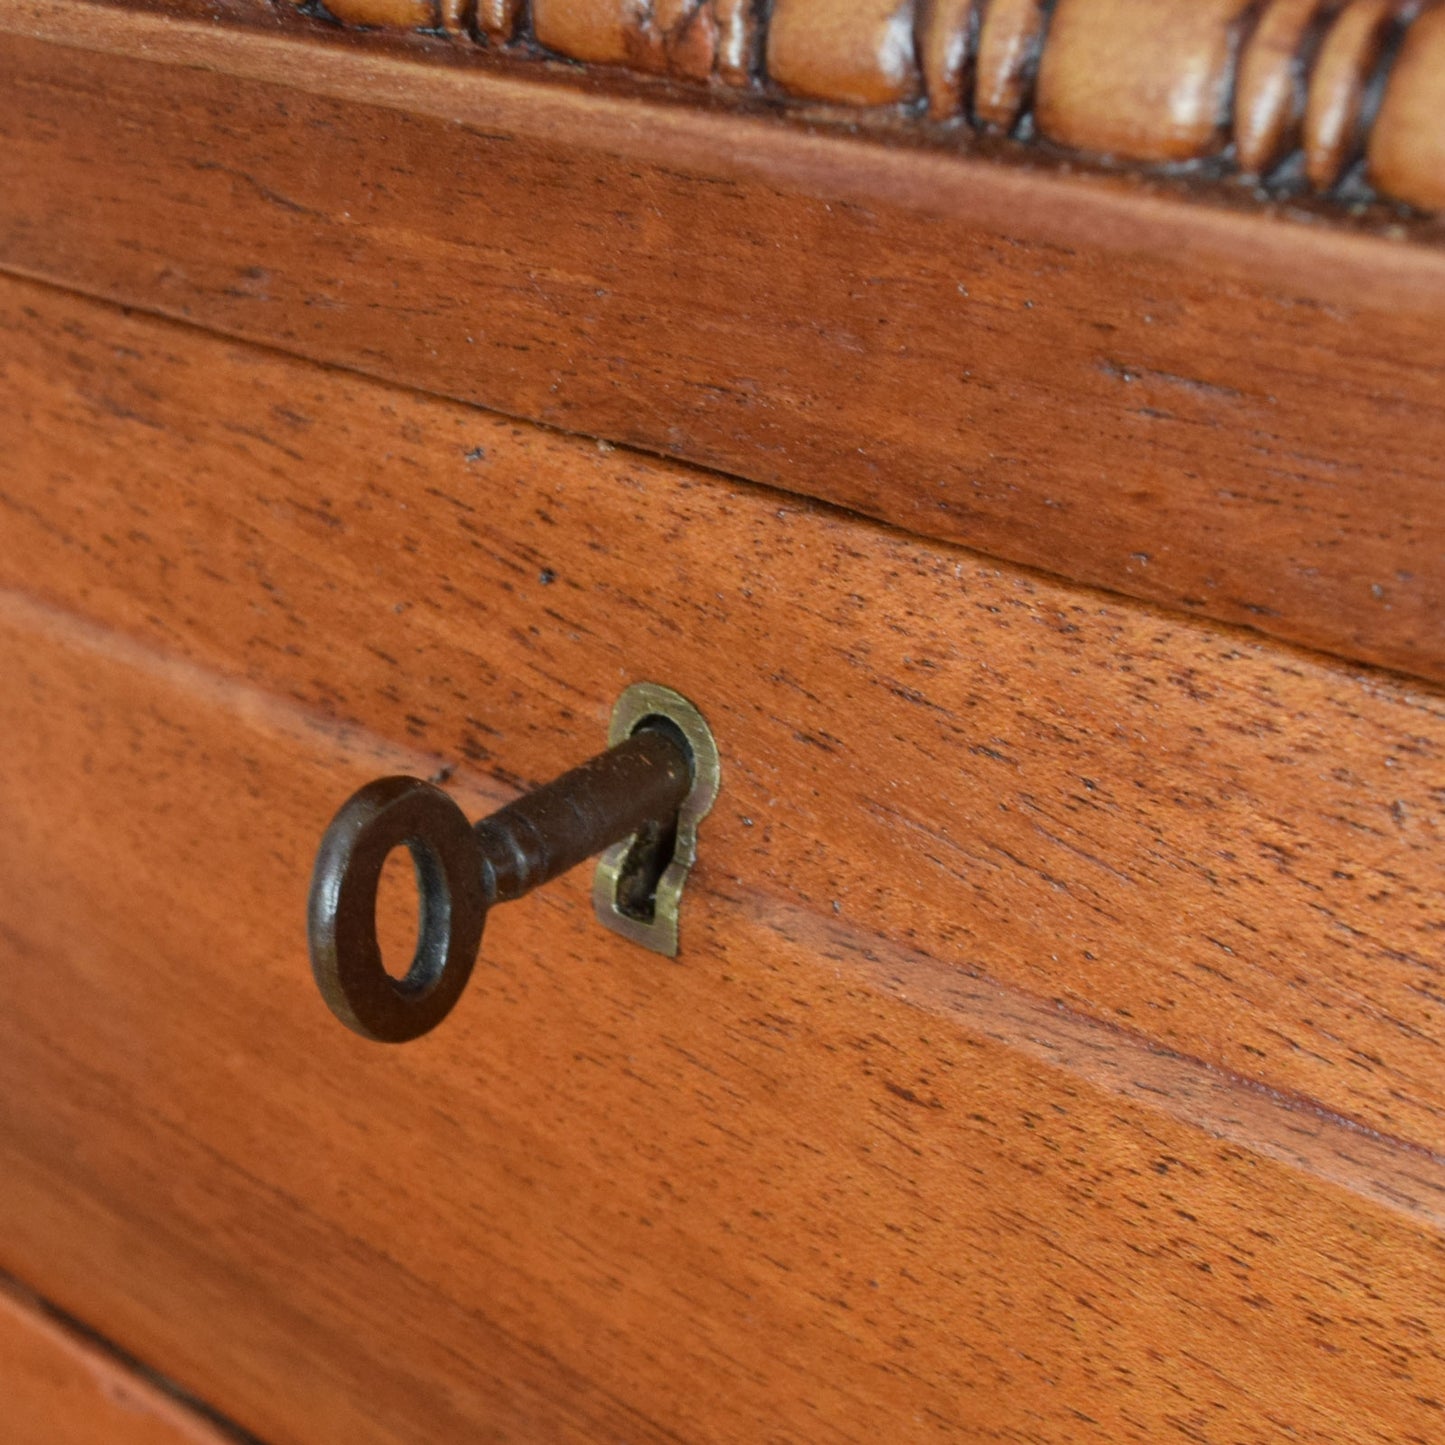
pixel 59 1388
pixel 859 1165
pixel 1221 412
pixel 1225 847
pixel 1131 78
pixel 1400 145
pixel 1295 93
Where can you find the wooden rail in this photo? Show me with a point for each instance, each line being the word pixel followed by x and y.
pixel 1339 98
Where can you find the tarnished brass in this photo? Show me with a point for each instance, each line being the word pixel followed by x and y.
pixel 637 890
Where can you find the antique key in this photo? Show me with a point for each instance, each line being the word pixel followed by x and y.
pixel 640 801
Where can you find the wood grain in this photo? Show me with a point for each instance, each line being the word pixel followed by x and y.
pixel 1405 155
pixel 841 1191
pixel 861 52
pixel 1116 81
pixel 945 37
pixel 1214 411
pixel 60 1388
pixel 1228 848
pixel 398 14
pixel 1136 81
pixel 1010 39
pixel 1272 86
pixel 686 38
pixel 1349 58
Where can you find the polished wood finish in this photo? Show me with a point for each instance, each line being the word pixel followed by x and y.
pixel 1348 60
pixel 401 14
pixel 693 40
pixel 858 51
pixel 1116 81
pixel 944 29
pixel 1049 368
pixel 58 1387
pixel 1010 37
pixel 1227 848
pixel 827 1188
pixel 1272 84
pixel 1137 81
pixel 1054 1048
pixel 1406 152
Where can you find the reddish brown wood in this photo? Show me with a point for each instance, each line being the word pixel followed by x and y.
pixel 596 31
pixel 1224 847
pixel 690 40
pixel 59 1388
pixel 394 14
pixel 1054 1052
pixel 860 52
pixel 1140 81
pixel 1114 80
pixel 826 1183
pixel 1011 35
pixel 1273 82
pixel 1217 411
pixel 498 19
pixel 1335 123
pixel 1407 154
pixel 945 41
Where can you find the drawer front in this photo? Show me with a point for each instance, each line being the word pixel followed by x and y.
pixel 1225 847
pixel 1055 974
pixel 1043 365
pixel 61 1387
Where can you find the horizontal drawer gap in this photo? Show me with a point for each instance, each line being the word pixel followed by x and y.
pixel 1227 414
pixel 1296 1131
pixel 1220 844
pixel 64 1382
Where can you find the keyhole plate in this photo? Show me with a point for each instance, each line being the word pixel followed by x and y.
pixel 640 704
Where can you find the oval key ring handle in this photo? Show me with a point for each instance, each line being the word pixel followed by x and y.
pixel 341 912
pixel 634 790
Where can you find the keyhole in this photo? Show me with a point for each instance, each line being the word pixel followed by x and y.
pixel 398 911
pixel 653 848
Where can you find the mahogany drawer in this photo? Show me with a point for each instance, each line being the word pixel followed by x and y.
pixel 1052 1054
pixel 62 1388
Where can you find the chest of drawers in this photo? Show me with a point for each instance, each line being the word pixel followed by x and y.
pixel 1054 547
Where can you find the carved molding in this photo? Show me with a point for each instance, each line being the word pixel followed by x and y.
pixel 1327 96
